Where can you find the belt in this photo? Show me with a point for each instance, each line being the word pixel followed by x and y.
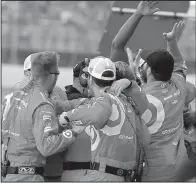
pixel 26 170
pixel 52 177
pixel 112 170
pixel 76 165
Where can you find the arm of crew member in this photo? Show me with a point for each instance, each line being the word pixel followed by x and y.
pixel 96 114
pixel 138 96
pixel 64 106
pixel 180 67
pixel 45 130
pixel 121 39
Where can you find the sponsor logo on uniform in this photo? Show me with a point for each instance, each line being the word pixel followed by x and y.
pixel 50 139
pixel 68 134
pixel 22 101
pixel 47 127
pixel 77 123
pixel 171 130
pixel 26 170
pixel 168 97
pixel 163 85
pixel 177 93
pixel 47 117
pixel 125 137
pixel 119 172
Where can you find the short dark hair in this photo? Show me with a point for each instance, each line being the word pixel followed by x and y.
pixel 44 63
pixel 104 83
pixel 161 63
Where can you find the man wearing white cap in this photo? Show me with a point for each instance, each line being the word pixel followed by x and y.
pixel 112 123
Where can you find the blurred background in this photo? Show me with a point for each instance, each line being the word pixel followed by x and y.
pixel 72 28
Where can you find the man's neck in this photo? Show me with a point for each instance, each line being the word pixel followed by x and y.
pixel 98 92
pixel 41 87
pixel 150 79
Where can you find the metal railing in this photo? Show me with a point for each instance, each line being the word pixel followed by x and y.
pixel 160 13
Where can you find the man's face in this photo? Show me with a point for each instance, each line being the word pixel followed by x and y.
pixel 90 85
pixel 52 80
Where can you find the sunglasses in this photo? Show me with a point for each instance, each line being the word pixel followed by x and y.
pixel 55 73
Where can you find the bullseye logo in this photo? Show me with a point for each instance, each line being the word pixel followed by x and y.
pixel 119 172
pixel 67 134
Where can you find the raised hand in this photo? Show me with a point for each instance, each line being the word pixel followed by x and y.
pixel 137 60
pixel 176 31
pixel 147 7
pixel 119 85
pixel 130 59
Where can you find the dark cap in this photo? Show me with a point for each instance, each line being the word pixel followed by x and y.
pixel 44 63
pixel 161 63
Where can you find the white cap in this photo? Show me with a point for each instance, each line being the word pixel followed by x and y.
pixel 27 63
pixel 99 65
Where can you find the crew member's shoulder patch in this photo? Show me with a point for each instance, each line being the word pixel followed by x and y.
pixel 67 134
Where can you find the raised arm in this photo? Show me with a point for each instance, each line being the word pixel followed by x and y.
pixel 172 47
pixel 64 106
pixel 97 113
pixel 131 90
pixel 118 52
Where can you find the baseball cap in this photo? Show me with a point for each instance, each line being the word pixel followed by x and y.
pixel 160 61
pixel 27 63
pixel 100 65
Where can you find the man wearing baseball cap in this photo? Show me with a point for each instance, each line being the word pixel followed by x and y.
pixel 33 125
pixel 109 121
pixel 165 75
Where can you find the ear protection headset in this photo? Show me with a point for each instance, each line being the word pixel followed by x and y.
pixel 79 72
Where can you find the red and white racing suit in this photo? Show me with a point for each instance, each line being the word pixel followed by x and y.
pixel 29 120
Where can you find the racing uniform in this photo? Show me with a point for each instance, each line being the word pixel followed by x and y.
pixel 114 142
pixel 166 151
pixel 54 164
pixel 78 156
pixel 32 128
